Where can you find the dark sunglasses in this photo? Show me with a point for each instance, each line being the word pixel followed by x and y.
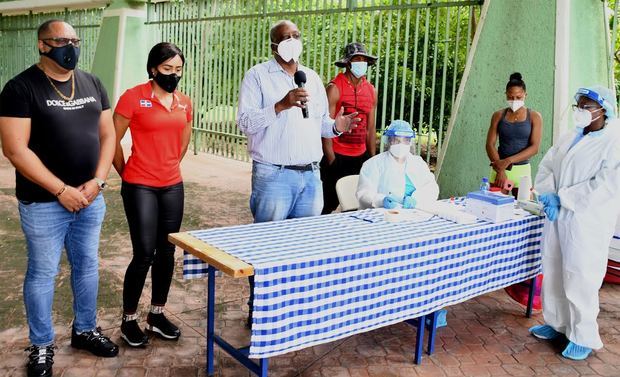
pixel 61 42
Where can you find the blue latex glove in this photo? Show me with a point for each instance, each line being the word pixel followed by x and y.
pixel 552 213
pixel 549 199
pixel 551 205
pixel 390 202
pixel 409 202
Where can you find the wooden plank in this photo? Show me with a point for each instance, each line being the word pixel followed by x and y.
pixel 219 259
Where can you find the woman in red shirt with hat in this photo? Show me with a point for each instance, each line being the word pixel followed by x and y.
pixel 345 154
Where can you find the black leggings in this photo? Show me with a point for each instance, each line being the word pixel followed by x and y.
pixel 152 213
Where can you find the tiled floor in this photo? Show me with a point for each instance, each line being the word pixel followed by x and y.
pixel 486 336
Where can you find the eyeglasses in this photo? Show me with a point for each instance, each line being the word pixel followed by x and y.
pixel 61 42
pixel 586 107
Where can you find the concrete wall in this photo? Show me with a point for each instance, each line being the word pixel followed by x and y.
pixel 588 49
pixel 105 56
pixel 122 50
pixel 136 49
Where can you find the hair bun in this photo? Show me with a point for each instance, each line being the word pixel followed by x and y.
pixel 516 77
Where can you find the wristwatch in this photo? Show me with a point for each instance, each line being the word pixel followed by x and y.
pixel 335 130
pixel 101 183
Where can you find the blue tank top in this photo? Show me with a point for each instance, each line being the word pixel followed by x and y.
pixel 514 136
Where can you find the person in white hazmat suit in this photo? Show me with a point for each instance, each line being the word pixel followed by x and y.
pixel 578 180
pixel 396 177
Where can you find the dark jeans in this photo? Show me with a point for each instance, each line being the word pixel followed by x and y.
pixel 152 213
pixel 330 174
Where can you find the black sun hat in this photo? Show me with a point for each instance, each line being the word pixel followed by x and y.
pixel 354 49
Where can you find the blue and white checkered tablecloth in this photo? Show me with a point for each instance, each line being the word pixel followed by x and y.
pixel 323 278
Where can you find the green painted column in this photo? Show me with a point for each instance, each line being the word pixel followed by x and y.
pixel 122 50
pixel 557 45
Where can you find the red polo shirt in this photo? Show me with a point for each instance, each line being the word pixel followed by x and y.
pixel 156 134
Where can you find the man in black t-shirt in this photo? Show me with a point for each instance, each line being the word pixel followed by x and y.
pixel 56 129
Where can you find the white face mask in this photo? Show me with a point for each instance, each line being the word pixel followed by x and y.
pixel 515 105
pixel 399 150
pixel 289 49
pixel 583 118
pixel 358 69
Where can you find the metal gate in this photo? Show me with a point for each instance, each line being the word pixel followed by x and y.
pixel 422 48
pixel 18 39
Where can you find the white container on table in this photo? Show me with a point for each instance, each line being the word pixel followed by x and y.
pixel 490 206
pixel 525 186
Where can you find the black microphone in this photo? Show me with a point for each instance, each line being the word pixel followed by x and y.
pixel 300 80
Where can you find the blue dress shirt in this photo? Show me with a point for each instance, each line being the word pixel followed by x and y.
pixel 286 138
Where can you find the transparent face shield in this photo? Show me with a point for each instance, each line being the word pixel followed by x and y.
pixel 387 141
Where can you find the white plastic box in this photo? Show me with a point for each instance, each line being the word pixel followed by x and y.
pixel 490 206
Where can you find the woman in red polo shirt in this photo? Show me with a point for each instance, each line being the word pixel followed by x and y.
pixel 160 120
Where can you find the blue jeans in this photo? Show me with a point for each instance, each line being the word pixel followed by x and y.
pixel 279 193
pixel 48 226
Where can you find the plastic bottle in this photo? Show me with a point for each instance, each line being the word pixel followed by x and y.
pixel 484 185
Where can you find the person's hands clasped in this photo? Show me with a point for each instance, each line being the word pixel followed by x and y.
pixel 90 190
pixel 501 165
pixel 297 97
pixel 72 199
pixel 500 179
pixel 345 123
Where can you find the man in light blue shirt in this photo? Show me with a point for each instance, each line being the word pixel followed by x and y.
pixel 284 145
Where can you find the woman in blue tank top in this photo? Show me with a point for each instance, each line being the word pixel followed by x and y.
pixel 519 131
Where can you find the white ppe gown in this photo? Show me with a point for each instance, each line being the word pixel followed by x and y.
pixel 575 246
pixel 382 175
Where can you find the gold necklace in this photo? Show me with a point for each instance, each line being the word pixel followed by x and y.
pixel 58 91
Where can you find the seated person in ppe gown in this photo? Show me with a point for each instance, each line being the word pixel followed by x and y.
pixel 578 180
pixel 396 177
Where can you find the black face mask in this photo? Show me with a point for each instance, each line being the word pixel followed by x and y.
pixel 167 82
pixel 65 56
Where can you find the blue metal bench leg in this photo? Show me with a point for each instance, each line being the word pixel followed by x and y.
pixel 419 342
pixel 420 324
pixel 530 297
pixel 241 354
pixel 432 333
pixel 210 318
pixel 263 363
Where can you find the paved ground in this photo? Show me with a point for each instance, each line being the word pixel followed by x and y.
pixel 486 336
